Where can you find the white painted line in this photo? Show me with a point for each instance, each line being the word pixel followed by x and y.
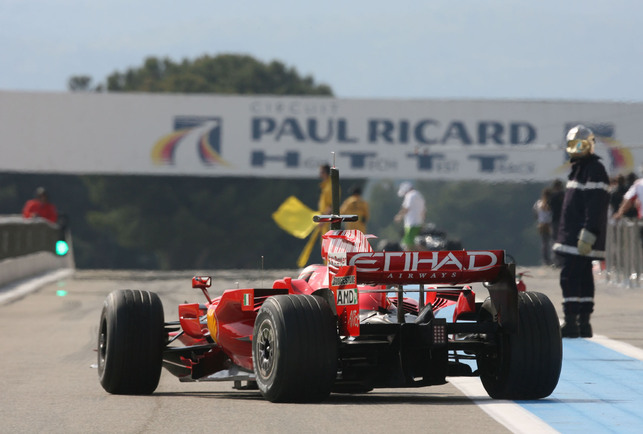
pixel 618 346
pixel 21 288
pixel 514 417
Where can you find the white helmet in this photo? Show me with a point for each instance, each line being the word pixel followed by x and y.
pixel 580 141
pixel 405 187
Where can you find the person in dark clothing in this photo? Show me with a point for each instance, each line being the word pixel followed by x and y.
pixel 582 230
pixel 617 192
pixel 556 205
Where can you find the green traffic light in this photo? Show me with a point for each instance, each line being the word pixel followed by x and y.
pixel 62 247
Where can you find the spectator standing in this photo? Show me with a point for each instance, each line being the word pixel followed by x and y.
pixel 355 204
pixel 557 194
pixel 324 207
pixel 630 179
pixel 581 235
pixel 412 213
pixel 632 200
pixel 618 188
pixel 40 206
pixel 542 210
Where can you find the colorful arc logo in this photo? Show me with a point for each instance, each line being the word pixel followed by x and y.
pixel 202 134
pixel 620 156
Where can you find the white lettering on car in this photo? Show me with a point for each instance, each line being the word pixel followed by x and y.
pixel 474 255
pixel 365 259
pixel 353 319
pixel 449 259
pixel 414 263
pixel 387 259
pixel 346 297
pixel 417 261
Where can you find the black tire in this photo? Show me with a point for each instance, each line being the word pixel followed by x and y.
pixel 527 364
pixel 131 339
pixel 294 348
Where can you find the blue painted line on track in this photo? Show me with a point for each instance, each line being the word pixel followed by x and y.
pixel 600 390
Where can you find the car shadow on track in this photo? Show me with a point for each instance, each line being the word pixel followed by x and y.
pixel 373 398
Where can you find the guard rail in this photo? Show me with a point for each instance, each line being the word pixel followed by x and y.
pixel 27 248
pixel 623 253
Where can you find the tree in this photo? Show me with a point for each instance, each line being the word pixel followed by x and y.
pixel 198 223
pixel 79 83
pixel 82 83
pixel 222 74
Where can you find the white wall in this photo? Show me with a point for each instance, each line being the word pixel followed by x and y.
pixel 13 269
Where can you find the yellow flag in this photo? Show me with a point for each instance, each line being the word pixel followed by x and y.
pixel 305 254
pixel 295 218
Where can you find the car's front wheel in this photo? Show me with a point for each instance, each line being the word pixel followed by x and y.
pixel 294 348
pixel 131 339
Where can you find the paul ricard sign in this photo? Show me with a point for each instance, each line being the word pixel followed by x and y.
pixel 286 137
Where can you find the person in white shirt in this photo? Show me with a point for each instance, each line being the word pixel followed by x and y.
pixel 633 198
pixel 413 212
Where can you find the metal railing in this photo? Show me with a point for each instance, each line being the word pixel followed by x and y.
pixel 624 253
pixel 27 248
pixel 20 236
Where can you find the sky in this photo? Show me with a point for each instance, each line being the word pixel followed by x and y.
pixel 366 49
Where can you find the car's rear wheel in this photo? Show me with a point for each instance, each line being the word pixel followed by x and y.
pixel 526 364
pixel 131 339
pixel 294 348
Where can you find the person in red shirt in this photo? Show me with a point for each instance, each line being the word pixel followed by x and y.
pixel 40 207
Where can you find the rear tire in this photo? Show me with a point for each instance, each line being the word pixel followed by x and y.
pixel 131 339
pixel 527 364
pixel 294 348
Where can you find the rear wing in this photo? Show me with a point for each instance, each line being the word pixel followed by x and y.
pixel 451 267
pixel 352 261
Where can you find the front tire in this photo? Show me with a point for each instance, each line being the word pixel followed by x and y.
pixel 294 348
pixel 526 364
pixel 131 339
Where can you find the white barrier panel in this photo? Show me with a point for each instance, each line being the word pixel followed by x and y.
pixel 213 135
pixel 13 269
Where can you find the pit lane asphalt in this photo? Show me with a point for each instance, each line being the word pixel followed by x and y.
pixel 48 383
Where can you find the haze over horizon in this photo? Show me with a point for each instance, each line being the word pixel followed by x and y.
pixel 497 49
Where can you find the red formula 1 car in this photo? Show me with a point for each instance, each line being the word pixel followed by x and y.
pixel 335 328
pixel 344 327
